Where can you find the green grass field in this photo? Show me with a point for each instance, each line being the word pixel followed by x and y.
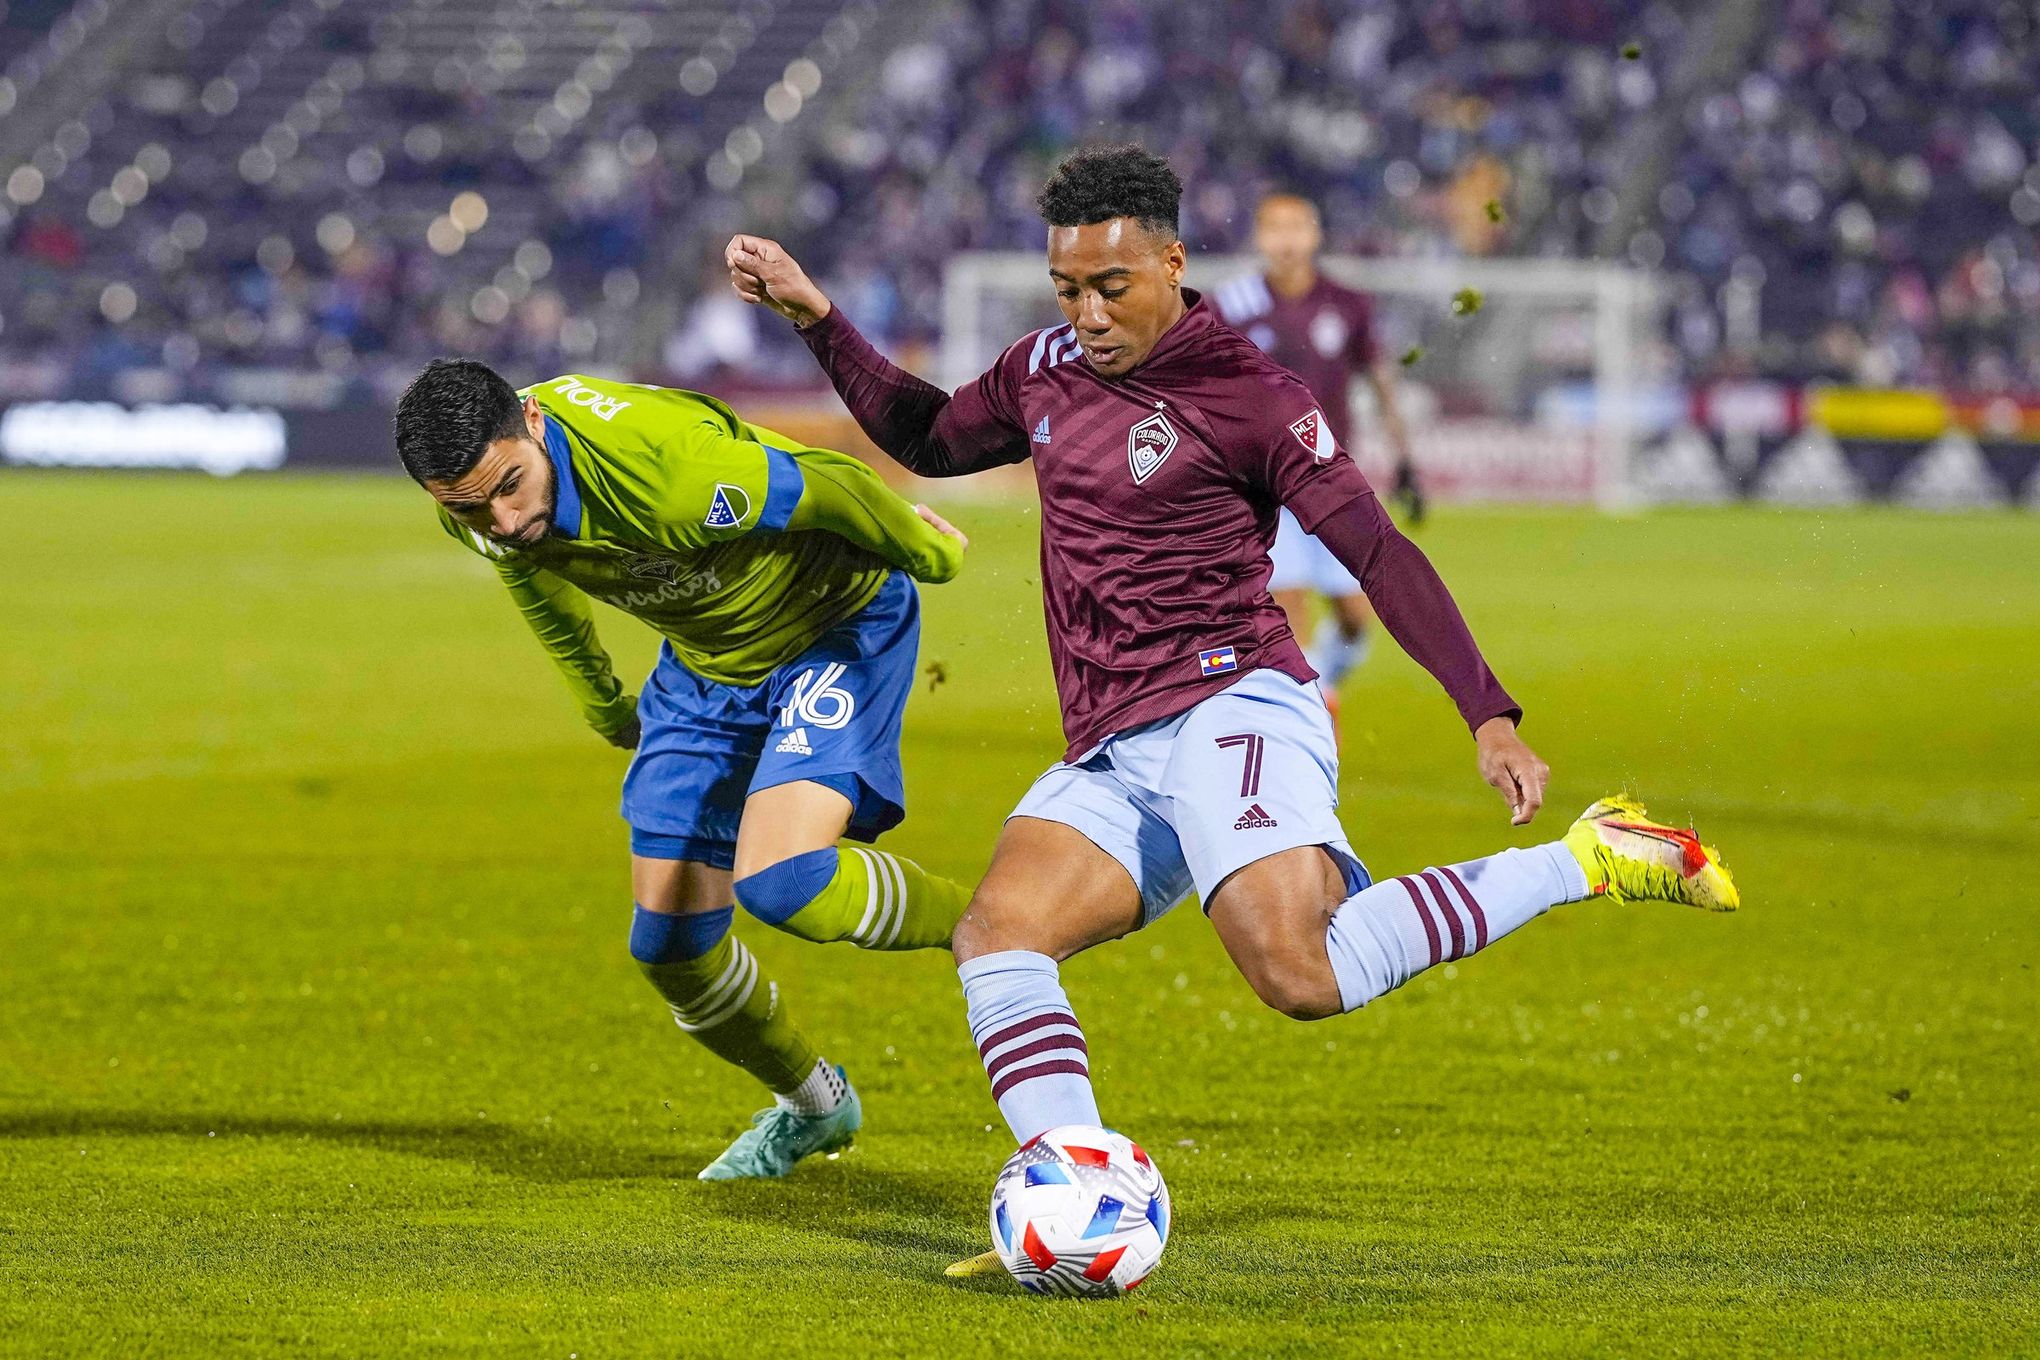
pixel 318 1033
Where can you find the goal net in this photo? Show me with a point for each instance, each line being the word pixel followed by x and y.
pixel 1538 394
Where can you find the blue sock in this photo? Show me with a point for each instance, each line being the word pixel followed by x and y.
pixel 1032 1047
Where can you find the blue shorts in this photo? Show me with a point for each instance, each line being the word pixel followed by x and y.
pixel 1301 562
pixel 1188 801
pixel 832 715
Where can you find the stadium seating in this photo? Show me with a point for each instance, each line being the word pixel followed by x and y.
pixel 330 189
pixel 326 189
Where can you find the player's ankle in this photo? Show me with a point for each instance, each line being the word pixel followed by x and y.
pixel 822 1091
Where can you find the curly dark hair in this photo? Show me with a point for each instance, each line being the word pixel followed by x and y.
pixel 1099 183
pixel 450 414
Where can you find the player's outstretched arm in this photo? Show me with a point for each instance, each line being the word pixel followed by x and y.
pixel 1421 615
pixel 921 426
pixel 764 273
pixel 726 485
pixel 563 620
pixel 844 496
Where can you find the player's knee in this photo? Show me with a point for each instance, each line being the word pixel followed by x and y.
pixel 1290 980
pixel 1297 990
pixel 984 928
pixel 658 937
pixel 778 893
pixel 975 935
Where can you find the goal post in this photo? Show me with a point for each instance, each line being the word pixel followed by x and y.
pixel 1535 395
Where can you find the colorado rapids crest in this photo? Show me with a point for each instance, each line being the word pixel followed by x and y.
pixel 1148 446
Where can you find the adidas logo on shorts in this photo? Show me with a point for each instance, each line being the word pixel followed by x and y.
pixel 794 743
pixel 1255 818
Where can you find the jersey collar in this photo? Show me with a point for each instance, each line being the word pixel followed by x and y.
pixel 1197 322
pixel 567 495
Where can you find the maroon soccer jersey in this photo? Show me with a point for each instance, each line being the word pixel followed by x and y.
pixel 1325 336
pixel 1159 493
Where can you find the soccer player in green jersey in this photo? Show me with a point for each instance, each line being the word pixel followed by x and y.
pixel 777 575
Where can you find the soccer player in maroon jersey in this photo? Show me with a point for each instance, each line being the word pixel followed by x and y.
pixel 1323 332
pixel 1200 755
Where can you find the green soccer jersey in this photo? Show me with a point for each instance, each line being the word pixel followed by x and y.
pixel 740 547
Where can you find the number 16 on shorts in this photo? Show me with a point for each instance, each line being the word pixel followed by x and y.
pixel 818 701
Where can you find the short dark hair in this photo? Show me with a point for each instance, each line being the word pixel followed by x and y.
pixel 449 416
pixel 1099 183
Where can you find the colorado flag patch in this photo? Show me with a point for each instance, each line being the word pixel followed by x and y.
pixel 1217 661
pixel 1310 431
pixel 728 508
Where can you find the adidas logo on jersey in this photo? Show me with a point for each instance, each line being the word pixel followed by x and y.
pixel 1041 431
pixel 1255 818
pixel 794 743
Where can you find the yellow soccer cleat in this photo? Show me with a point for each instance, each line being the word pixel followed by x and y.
pixel 984 1263
pixel 1630 858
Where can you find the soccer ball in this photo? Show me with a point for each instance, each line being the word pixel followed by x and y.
pixel 1080 1211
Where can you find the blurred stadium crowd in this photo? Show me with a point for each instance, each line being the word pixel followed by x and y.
pixel 328 191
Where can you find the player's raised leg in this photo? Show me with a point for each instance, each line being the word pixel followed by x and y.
pixel 791 874
pixel 830 768
pixel 1311 956
pixel 722 998
pixel 1251 783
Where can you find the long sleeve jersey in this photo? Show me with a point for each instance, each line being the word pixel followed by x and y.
pixel 1159 497
pixel 737 545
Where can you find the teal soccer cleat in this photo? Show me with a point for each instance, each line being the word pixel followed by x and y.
pixel 779 1138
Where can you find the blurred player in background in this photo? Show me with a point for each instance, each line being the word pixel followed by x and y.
pixel 778 576
pixel 1323 332
pixel 1200 756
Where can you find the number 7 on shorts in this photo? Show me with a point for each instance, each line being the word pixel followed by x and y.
pixel 1250 771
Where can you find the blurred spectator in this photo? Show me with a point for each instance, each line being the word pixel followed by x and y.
pixel 339 187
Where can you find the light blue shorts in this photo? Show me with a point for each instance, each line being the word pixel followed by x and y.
pixel 1186 802
pixel 1303 563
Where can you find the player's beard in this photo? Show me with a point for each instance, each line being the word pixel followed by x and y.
pixel 539 525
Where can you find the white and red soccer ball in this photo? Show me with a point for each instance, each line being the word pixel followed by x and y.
pixel 1080 1211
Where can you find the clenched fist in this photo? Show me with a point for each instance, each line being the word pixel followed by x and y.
pixel 762 272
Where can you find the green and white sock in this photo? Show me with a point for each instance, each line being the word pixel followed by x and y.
pixel 722 997
pixel 871 898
